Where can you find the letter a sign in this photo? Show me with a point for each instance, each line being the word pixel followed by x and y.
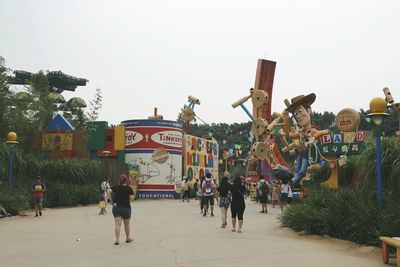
pixel 338 138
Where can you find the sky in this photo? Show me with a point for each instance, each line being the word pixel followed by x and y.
pixel 155 53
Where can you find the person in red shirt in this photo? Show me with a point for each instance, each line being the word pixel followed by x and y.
pixel 38 190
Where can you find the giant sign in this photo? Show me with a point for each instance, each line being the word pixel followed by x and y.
pixel 201 157
pixel 154 147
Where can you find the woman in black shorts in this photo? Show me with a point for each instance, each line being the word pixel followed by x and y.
pixel 224 199
pixel 122 207
pixel 237 207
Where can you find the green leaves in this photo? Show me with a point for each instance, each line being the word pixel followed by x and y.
pixel 390 149
pixel 344 213
pixel 352 213
pixel 69 182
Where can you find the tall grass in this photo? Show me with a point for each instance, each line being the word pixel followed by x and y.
pixel 390 153
pixel 353 213
pixel 69 182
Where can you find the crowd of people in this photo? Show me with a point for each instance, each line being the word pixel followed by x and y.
pixel 228 193
pixel 279 192
pixel 231 193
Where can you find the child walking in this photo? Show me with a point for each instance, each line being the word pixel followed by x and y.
pixel 284 194
pixel 275 194
pixel 102 202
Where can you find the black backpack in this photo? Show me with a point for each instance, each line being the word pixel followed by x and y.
pixel 264 189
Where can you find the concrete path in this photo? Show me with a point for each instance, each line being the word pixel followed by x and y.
pixel 168 233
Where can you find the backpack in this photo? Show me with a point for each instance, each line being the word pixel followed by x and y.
pixel 208 188
pixel 264 189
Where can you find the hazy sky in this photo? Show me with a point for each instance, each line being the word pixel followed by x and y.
pixel 146 54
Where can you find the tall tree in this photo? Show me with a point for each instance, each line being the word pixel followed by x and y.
pixel 324 120
pixel 5 95
pixel 95 106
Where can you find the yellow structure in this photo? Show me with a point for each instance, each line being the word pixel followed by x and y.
pixel 119 137
pixel 57 141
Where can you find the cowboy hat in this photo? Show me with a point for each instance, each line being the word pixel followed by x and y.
pixel 301 100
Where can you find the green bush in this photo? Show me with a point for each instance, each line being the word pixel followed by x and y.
pixel 343 213
pixel 390 150
pixel 321 174
pixel 69 182
pixel 62 195
pixel 353 213
pixel 346 172
pixel 15 200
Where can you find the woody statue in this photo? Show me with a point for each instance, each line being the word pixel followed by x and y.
pixel 300 107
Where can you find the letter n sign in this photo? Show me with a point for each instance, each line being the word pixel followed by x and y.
pixel 360 136
pixel 326 139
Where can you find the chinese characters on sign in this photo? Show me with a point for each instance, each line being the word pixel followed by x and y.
pixel 337 143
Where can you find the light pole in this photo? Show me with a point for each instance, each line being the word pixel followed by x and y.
pixel 377 106
pixel 11 141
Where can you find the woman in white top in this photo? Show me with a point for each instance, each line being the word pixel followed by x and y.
pixel 105 186
pixel 284 194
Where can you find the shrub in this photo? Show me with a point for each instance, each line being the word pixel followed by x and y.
pixel 61 195
pixel 69 182
pixel 352 213
pixel 390 150
pixel 321 174
pixel 346 172
pixel 15 200
pixel 344 213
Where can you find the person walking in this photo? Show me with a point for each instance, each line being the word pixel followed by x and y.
pixel 275 194
pixel 238 206
pixel 284 193
pixel 185 190
pixel 38 189
pixel 196 188
pixel 208 188
pixel 121 210
pixel 224 200
pixel 101 203
pixel 105 187
pixel 263 192
pixel 200 194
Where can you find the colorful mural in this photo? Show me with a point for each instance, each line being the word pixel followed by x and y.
pixel 201 157
pixel 60 140
pixel 155 147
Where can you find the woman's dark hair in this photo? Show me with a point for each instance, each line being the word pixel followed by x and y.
pixel 106 178
pixel 237 182
pixel 237 185
pixel 224 182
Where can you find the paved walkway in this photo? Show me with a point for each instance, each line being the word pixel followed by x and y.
pixel 168 233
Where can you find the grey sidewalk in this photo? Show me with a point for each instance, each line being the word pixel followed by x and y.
pixel 168 233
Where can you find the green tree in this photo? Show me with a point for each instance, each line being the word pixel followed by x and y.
pixel 324 120
pixel 95 106
pixel 31 111
pixel 5 95
pixel 43 107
